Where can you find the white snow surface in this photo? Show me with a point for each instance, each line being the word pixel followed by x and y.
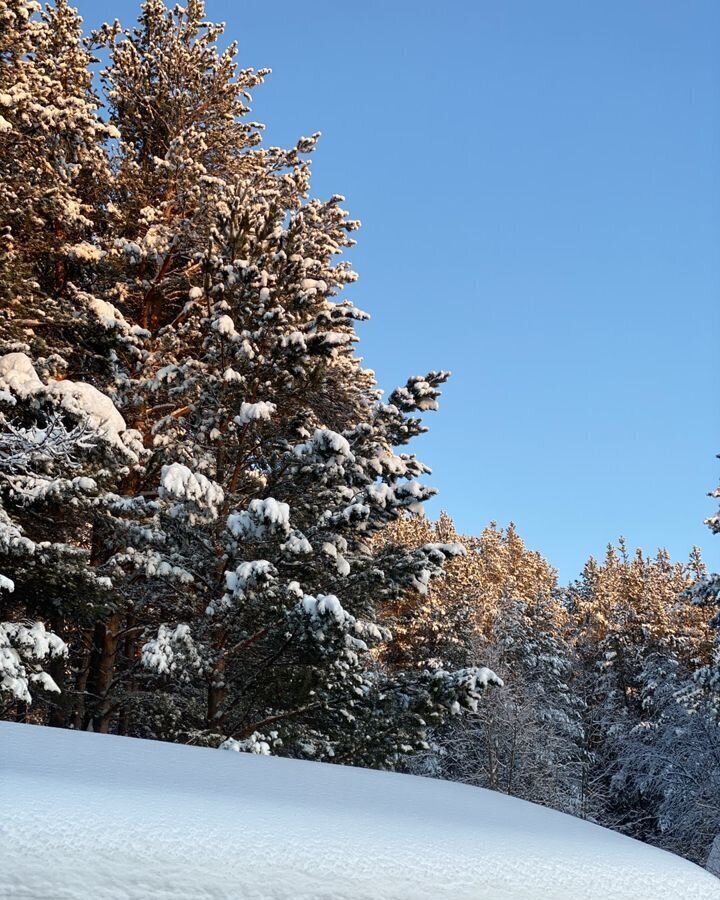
pixel 108 315
pixel 110 818
pixel 87 401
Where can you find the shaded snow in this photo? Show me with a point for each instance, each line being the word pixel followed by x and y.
pixel 91 816
pixel 20 646
pixel 87 401
pixel 86 252
pixel 713 862
pixel 225 326
pixel 108 315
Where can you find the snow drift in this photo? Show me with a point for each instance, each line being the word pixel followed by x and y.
pixel 90 816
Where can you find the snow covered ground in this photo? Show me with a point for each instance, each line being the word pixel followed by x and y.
pixel 92 817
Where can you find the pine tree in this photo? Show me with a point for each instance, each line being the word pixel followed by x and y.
pixel 497 601
pixel 528 741
pixel 705 594
pixel 679 764
pixel 201 452
pixel 274 455
pixel 667 765
pixel 627 617
pixel 63 444
pixel 440 624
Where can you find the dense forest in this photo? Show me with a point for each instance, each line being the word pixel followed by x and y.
pixel 211 526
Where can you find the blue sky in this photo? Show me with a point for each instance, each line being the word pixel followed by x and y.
pixel 540 196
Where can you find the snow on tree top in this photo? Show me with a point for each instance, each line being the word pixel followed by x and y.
pixel 86 252
pixel 20 646
pixel 326 441
pixel 224 325
pixel 260 517
pixel 107 314
pixel 87 401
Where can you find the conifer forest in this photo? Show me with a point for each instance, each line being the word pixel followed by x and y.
pixel 211 516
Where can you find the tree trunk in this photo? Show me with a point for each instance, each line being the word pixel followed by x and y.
pixel 59 712
pixel 216 696
pixel 102 672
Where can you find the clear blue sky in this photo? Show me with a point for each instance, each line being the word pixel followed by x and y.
pixel 540 193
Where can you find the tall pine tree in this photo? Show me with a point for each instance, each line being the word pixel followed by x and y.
pixel 187 338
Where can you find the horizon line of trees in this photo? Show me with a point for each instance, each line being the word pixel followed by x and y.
pixel 610 706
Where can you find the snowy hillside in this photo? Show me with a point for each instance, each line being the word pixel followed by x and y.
pixel 90 816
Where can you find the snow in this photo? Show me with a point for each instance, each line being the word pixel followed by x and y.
pixel 341 564
pixel 297 544
pixel 108 315
pixel 225 326
pixel 312 285
pixel 247 575
pixel 88 402
pixel 180 483
pixel 242 584
pixel 18 375
pixel 110 818
pixel 325 605
pixel 154 565
pixel 163 653
pixel 324 440
pixel 253 744
pixel 19 646
pixel 255 412
pixel 86 252
pixel 261 517
pixel 157 239
pixel 713 862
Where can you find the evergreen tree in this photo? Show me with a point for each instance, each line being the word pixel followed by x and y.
pixel 528 741
pixel 705 594
pixel 440 624
pixel 203 457
pixel 627 617
pixel 667 765
pixel 496 601
pixel 63 444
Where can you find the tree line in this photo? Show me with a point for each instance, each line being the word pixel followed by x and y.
pixel 609 709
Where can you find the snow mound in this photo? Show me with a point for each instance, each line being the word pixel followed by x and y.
pixel 92 816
